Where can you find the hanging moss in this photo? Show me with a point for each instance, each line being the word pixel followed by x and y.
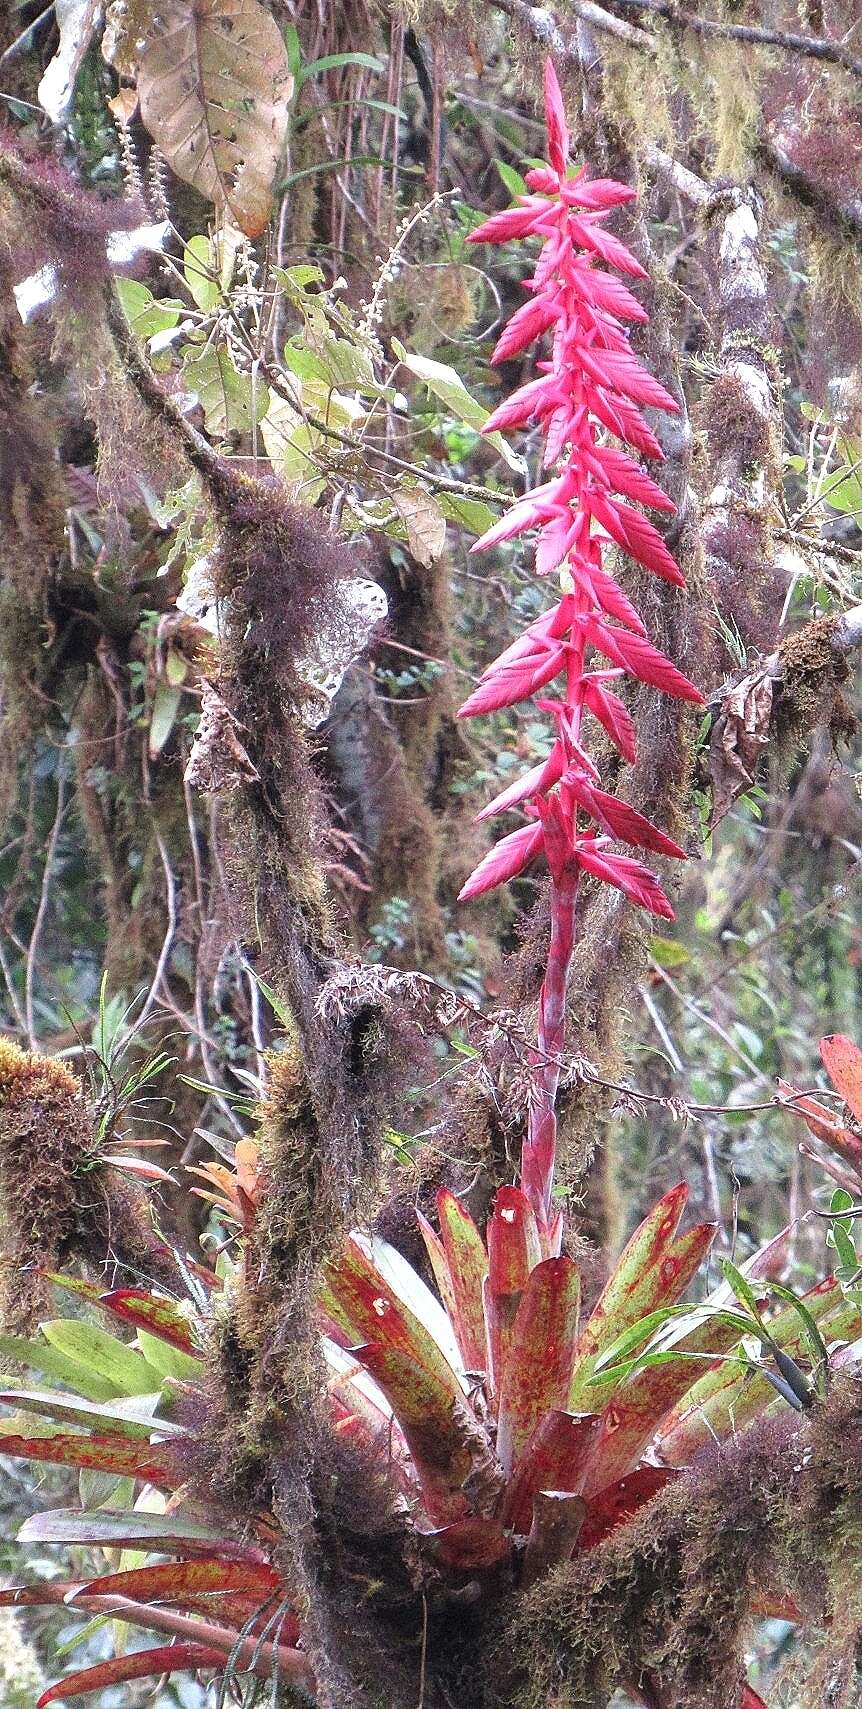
pixel 667 1599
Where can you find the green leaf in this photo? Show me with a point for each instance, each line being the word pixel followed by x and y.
pixel 669 953
pixel 279 1006
pixel 332 62
pixel 95 1350
pixel 166 705
pixel 469 513
pixel 168 1533
pixel 168 1361
pixel 515 184
pixel 653 1270
pixel 201 274
pixel 295 280
pixel 445 384
pixel 122 1417
pixel 145 314
pixel 50 1362
pixel 231 401
pixel 816 1345
pixel 742 1289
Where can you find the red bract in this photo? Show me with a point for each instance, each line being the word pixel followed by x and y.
pixel 593 383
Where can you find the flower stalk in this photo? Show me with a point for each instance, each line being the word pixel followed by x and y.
pixel 592 387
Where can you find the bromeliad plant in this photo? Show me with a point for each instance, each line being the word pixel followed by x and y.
pixel 514 1428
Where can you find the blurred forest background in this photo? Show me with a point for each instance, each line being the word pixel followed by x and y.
pixel 741 123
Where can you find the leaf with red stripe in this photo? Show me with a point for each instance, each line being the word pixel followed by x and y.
pixel 724 1401
pixel 358 1298
pixel 169 1533
pixel 467 1263
pixel 161 1317
pixel 151 1464
pixel 632 1417
pixel 121 1418
pixel 555 1457
pixel 142 1664
pixel 541 1353
pixel 514 1250
pixel 432 1420
pixel 614 1505
pixel 175 1580
pixel 842 1060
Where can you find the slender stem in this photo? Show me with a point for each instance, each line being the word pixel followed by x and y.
pixel 539 1153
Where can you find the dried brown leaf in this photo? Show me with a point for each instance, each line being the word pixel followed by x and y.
pixel 739 734
pixel 215 87
pixel 218 761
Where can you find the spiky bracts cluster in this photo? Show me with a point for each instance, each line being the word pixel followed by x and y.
pixel 592 385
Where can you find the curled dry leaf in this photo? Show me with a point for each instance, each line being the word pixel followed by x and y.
pixel 218 761
pixel 215 85
pixel 76 22
pixel 739 734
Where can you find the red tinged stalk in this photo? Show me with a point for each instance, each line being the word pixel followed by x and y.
pixel 593 384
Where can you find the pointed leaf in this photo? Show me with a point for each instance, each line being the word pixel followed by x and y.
pixel 727 1398
pixel 122 1418
pixel 651 1272
pixel 358 1298
pixel 102 1453
pixel 514 1250
pixel 50 1362
pixel 141 1664
pixel 214 84
pixel 97 1351
pixel 169 1533
pixel 541 1354
pixel 176 1580
pixel 151 1312
pixel 467 1261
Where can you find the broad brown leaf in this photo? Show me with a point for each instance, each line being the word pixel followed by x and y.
pixel 215 85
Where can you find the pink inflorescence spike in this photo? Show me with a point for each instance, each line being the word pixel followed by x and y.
pixel 593 384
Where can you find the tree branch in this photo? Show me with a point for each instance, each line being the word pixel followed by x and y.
pixel 813 47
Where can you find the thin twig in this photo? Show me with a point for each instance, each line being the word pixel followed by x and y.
pixel 30 975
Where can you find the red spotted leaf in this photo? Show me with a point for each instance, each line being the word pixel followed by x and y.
pixel 613 1506
pixel 538 1368
pixel 555 1457
pixel 159 1316
pixel 141 1664
pixel 152 1464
